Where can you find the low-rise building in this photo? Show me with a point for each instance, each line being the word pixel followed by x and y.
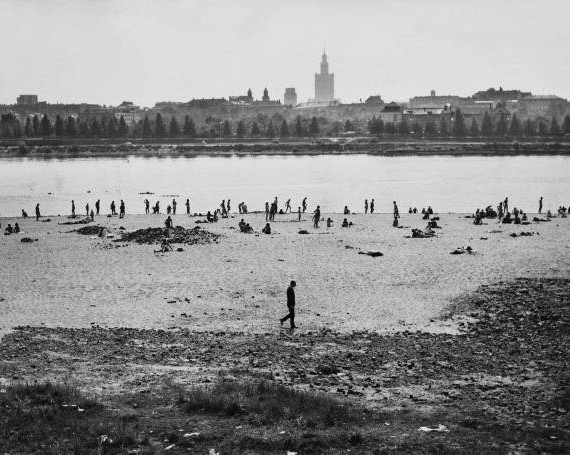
pixel 547 106
pixel 391 113
pixel 435 100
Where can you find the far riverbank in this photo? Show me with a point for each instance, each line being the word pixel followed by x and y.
pixel 168 148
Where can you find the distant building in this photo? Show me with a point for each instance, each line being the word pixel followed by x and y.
pixel 324 83
pixel 435 101
pixel 129 112
pixel 548 106
pixel 391 113
pixel 500 96
pixel 290 97
pixel 266 101
pixel 422 116
pixel 374 100
pixel 27 100
pixel 242 99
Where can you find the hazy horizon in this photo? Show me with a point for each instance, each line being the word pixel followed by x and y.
pixel 105 51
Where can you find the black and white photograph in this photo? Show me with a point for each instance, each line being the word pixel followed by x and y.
pixel 293 227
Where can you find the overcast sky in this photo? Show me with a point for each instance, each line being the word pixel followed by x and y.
pixel 107 51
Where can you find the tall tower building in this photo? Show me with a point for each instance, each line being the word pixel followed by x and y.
pixel 324 83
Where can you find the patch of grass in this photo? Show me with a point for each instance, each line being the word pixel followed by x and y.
pixel 271 403
pixel 50 418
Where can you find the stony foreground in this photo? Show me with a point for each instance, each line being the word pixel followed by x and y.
pixel 501 386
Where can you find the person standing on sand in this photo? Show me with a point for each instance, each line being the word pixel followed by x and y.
pixel 372 206
pixel 174 206
pixel 72 208
pixel 146 206
pixel 229 206
pixel 288 205
pixel 188 206
pixel 317 217
pixel 266 211
pixel 38 211
pixel 540 205
pixel 98 205
pixel 299 213
pixel 122 209
pixel 113 211
pixel 506 205
pixel 365 206
pixel 290 305
pixel 396 211
pixel 87 209
pixel 304 204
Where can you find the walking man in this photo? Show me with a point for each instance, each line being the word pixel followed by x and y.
pixel 38 211
pixel 396 211
pixel 290 305
pixel 372 206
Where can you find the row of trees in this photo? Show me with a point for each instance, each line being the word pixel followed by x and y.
pixel 111 127
pixel 458 127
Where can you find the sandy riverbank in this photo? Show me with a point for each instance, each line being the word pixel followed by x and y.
pixel 70 280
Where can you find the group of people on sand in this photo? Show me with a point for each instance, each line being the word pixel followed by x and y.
pixel 12 230
pixel 514 216
pixel 245 227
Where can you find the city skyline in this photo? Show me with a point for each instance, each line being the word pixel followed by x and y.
pixel 106 51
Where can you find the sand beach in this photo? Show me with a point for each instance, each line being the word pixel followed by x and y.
pixel 238 283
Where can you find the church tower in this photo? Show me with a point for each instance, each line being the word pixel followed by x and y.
pixel 324 83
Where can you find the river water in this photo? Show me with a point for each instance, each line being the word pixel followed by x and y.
pixel 448 184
